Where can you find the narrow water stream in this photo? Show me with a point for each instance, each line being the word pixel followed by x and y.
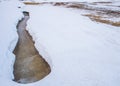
pixel 29 65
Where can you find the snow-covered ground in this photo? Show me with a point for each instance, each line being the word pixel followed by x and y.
pixel 104 12
pixel 70 0
pixel 80 52
pixel 9 17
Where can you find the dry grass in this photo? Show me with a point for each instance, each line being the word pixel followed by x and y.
pixel 103 2
pixel 102 20
pixel 59 3
pixel 78 6
pixel 31 3
pixel 84 6
pixel 70 5
pixel 100 11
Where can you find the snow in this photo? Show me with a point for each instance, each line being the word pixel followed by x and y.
pixel 79 51
pixel 82 52
pixel 111 6
pixel 71 0
pixel 9 17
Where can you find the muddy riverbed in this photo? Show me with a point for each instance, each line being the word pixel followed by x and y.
pixel 29 65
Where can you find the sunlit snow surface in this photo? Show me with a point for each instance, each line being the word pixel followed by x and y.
pixel 10 14
pixel 81 52
pixel 9 17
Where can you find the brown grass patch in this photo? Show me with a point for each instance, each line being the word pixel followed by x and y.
pixel 83 6
pixel 70 5
pixel 103 2
pixel 76 6
pixel 101 20
pixel 31 3
pixel 59 3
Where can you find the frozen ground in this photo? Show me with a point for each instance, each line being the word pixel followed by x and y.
pixel 80 52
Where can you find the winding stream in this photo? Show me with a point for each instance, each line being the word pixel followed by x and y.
pixel 29 65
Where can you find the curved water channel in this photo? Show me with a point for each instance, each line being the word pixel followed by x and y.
pixel 29 65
